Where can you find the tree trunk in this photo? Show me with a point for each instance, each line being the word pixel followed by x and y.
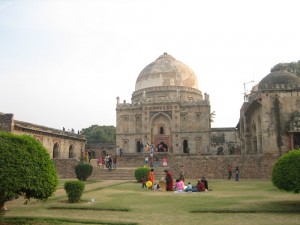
pixel 2 206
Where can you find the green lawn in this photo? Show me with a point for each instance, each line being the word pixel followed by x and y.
pixel 246 202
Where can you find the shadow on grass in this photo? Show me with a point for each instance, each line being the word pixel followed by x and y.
pixel 48 221
pixel 284 207
pixel 88 208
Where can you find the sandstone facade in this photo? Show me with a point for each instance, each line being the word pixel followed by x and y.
pixel 270 120
pixel 60 144
pixel 167 109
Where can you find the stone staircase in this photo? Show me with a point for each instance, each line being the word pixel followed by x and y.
pixel 126 167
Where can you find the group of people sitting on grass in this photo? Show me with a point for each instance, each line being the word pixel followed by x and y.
pixel 179 186
pixel 202 185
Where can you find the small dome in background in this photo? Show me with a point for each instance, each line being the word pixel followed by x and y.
pixel 279 78
pixel 166 71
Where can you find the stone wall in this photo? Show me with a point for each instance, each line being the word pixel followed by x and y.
pixel 225 141
pixel 66 167
pixel 215 167
pixel 101 149
pixel 211 167
pixel 6 122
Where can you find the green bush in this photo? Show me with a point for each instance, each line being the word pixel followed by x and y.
pixel 286 172
pixel 141 172
pixel 74 190
pixel 26 169
pixel 83 171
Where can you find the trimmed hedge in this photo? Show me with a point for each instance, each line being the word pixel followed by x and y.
pixel 74 190
pixel 286 172
pixel 141 172
pixel 26 168
pixel 83 171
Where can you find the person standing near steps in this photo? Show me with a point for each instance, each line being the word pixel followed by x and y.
pixel 237 174
pixel 229 172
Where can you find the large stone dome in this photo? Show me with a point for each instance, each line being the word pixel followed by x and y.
pixel 279 78
pixel 166 71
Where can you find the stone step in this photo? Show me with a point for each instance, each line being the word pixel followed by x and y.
pixel 125 173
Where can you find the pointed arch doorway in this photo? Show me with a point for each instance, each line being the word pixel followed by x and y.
pixel 161 132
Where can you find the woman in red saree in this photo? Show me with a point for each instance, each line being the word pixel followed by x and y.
pixel 169 181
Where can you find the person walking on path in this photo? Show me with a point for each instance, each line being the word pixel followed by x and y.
pixel 237 174
pixel 156 162
pixel 121 152
pixel 229 172
pixel 114 161
pixel 109 163
pixel 100 162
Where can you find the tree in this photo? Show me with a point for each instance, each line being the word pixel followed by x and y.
pixel 25 169
pixel 100 134
pixel 83 171
pixel 74 190
pixel 212 116
pixel 292 67
pixel 141 172
pixel 286 172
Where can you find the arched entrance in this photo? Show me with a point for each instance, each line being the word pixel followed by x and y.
pixel 56 151
pixel 71 152
pixel 162 147
pixel 126 146
pixel 161 132
pixel 139 146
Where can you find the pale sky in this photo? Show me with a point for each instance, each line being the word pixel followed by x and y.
pixel 64 62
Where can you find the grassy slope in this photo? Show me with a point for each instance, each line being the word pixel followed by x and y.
pixel 245 202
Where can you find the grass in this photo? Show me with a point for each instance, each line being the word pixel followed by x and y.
pixel 117 202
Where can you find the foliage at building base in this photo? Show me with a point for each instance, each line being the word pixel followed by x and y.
pixel 286 172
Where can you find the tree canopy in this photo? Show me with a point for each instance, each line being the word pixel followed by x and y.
pixel 25 169
pixel 100 134
pixel 292 67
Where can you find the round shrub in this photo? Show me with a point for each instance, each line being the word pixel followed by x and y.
pixel 83 171
pixel 141 172
pixel 74 190
pixel 26 169
pixel 286 172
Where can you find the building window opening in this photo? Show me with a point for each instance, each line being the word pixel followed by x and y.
pixel 161 130
pixel 139 146
pixel 185 146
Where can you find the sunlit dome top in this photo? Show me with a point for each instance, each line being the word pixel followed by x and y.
pixel 279 78
pixel 166 71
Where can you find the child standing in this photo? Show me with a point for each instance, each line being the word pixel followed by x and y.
pixel 143 181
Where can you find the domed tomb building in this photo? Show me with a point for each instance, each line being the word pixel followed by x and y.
pixel 269 118
pixel 167 110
